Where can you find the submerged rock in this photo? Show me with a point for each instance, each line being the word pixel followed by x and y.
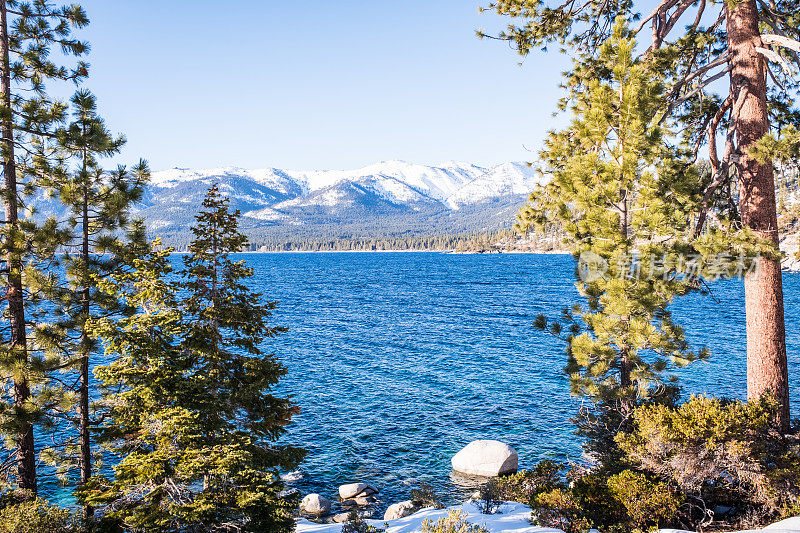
pixel 315 504
pixel 486 458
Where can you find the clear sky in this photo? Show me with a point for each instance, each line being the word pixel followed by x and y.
pixel 315 84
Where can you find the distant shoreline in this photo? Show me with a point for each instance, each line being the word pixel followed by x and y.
pixel 449 252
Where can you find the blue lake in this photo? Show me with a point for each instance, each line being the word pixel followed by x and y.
pixel 398 360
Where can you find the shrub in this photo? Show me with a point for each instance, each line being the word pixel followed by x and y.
pixel 720 452
pixel 600 423
pixel 489 497
pixel 424 496
pixel 599 505
pixel 558 509
pixel 37 516
pixel 647 503
pixel 454 522
pixel 355 524
pixel 524 486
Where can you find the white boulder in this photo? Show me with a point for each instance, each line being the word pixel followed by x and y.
pixel 400 510
pixel 486 458
pixel 315 504
pixel 354 490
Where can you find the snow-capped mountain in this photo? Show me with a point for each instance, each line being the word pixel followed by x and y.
pixel 388 197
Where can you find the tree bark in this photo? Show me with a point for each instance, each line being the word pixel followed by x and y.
pixel 766 340
pixel 85 461
pixel 26 450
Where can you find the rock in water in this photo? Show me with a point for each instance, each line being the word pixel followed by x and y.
pixel 315 504
pixel 487 458
pixel 354 490
pixel 400 510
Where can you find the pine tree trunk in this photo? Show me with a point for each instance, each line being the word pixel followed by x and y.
pixel 26 450
pixel 766 342
pixel 83 400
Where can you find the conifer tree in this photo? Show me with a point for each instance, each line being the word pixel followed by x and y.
pixel 626 201
pixel 695 43
pixel 28 32
pixel 99 204
pixel 195 417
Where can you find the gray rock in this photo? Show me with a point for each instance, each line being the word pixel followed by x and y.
pixel 340 518
pixel 315 504
pixel 400 510
pixel 363 501
pixel 354 490
pixel 486 458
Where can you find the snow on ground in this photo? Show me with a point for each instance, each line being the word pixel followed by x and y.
pixel 511 518
pixel 790 524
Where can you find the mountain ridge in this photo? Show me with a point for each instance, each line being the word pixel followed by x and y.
pixel 390 198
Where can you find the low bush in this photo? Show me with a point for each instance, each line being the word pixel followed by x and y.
pixel 424 496
pixel 37 516
pixel 558 509
pixel 524 486
pixel 489 497
pixel 454 522
pixel 355 524
pixel 720 452
pixel 647 503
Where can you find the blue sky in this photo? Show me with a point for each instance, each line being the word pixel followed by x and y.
pixel 315 84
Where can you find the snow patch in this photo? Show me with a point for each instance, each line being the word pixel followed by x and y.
pixel 511 518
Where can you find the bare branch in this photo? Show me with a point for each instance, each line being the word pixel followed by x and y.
pixel 780 40
pixel 775 58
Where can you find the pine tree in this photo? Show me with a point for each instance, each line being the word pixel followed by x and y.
pixel 228 324
pixel 695 44
pixel 99 203
pixel 194 418
pixel 28 31
pixel 626 201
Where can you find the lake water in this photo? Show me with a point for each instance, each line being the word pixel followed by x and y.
pixel 398 360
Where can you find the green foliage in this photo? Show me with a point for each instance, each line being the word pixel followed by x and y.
pixel 98 204
pixel 648 503
pixel 687 46
pixel 489 497
pixel 723 452
pixel 623 195
pixel 189 404
pixel 526 485
pixel 558 509
pixel 600 422
pixel 424 496
pixel 37 516
pixel 355 524
pixel 29 118
pixel 454 522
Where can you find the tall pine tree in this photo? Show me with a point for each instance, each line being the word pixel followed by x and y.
pixel 195 409
pixel 626 200
pixel 103 236
pixel 28 32
pixel 695 43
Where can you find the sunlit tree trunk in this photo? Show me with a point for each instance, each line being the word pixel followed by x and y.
pixel 766 341
pixel 26 452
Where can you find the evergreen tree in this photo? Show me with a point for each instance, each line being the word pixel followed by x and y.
pixel 695 44
pixel 195 419
pixel 103 235
pixel 626 201
pixel 28 31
